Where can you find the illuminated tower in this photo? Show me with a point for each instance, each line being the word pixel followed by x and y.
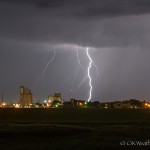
pixel 56 98
pixel 25 96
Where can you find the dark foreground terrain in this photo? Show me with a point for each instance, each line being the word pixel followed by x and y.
pixel 74 129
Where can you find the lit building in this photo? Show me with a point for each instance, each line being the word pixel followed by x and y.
pixel 121 105
pixel 56 98
pixel 26 98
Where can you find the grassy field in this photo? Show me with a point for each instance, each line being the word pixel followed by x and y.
pixel 59 129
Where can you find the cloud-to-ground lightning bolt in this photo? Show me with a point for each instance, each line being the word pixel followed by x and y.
pixel 89 76
pixel 87 72
pixel 82 69
pixel 46 67
pixel 79 60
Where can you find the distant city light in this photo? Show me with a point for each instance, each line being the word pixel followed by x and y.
pixel 3 104
pixel 147 105
pixel 17 105
pixel 80 104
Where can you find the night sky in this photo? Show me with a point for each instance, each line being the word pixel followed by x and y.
pixel 117 33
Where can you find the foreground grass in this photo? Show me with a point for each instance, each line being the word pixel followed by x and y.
pixel 72 129
pixel 114 115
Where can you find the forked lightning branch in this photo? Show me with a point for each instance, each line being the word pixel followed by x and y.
pixel 87 71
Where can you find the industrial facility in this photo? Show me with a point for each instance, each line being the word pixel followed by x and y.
pixel 56 98
pixel 56 101
pixel 26 97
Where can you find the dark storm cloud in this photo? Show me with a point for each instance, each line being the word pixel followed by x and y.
pixel 80 22
pixel 110 8
pixel 40 3
pixel 95 23
pixel 93 8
